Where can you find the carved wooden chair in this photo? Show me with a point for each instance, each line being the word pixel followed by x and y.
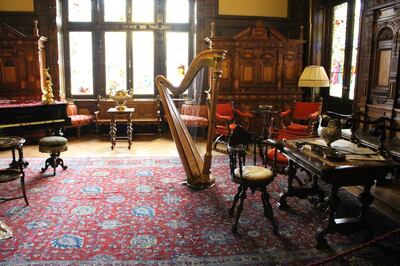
pixel 227 118
pixel 247 176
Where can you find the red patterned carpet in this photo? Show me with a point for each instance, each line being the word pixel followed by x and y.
pixel 116 211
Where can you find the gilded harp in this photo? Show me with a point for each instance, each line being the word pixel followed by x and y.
pixel 197 169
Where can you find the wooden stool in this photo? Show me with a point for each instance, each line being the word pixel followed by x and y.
pixel 53 145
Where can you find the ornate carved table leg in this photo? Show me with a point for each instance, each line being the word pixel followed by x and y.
pixel 21 159
pixel 14 163
pixel 333 202
pixel 289 193
pixel 129 131
pixel 113 131
pixel 366 199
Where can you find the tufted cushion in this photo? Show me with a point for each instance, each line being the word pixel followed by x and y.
pixel 53 144
pixel 280 158
pixel 254 173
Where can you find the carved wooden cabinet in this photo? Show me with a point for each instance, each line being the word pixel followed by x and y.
pixel 378 79
pixel 22 60
pixel 262 67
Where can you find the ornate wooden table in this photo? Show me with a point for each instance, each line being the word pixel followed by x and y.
pixel 267 114
pixel 16 167
pixel 127 115
pixel 361 167
pixel 14 143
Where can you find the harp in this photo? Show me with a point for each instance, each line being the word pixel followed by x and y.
pixel 197 168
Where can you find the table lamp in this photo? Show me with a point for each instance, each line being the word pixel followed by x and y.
pixel 314 77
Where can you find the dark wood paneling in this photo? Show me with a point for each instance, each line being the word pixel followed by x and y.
pixel 45 14
pixel 262 67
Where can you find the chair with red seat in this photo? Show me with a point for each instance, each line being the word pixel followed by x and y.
pixel 282 135
pixel 300 119
pixel 297 122
pixel 227 117
pixel 280 160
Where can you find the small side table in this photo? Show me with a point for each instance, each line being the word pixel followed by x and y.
pixel 266 113
pixel 127 115
pixel 14 143
pixel 16 167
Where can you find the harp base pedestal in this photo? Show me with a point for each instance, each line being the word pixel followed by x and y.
pixel 201 185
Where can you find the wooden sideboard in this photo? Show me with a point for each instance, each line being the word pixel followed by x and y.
pixel 262 67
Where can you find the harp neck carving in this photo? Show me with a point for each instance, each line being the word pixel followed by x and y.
pixel 197 168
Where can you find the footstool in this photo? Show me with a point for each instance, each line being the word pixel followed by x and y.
pixel 53 145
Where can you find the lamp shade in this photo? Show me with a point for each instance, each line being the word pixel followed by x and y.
pixel 314 76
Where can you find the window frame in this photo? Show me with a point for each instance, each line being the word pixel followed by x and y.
pixel 348 45
pixel 98 27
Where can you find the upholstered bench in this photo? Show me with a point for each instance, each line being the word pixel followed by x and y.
pixel 195 116
pixel 53 145
pixel 78 120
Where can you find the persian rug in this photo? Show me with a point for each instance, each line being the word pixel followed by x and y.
pixel 135 211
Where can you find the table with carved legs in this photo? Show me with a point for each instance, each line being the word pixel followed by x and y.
pixel 126 115
pixel 336 174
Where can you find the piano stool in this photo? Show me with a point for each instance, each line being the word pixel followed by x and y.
pixel 53 145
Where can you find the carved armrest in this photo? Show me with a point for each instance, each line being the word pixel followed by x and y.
pixel 285 113
pixel 222 118
pixel 314 116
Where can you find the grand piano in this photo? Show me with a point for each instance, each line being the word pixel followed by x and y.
pixel 20 117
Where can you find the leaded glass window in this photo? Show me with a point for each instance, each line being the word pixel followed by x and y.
pixel 115 47
pixel 177 56
pixel 143 10
pixel 177 11
pixel 339 23
pixel 81 63
pixel 123 44
pixel 143 62
pixel 115 10
pixel 356 29
pixel 80 10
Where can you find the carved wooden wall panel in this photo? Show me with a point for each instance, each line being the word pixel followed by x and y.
pixel 45 13
pixel 20 67
pixel 378 79
pixel 264 67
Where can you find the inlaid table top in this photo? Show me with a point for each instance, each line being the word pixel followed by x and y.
pixel 10 142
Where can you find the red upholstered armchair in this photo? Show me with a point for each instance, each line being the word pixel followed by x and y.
pixel 227 117
pixel 300 119
pixel 298 122
pixel 78 120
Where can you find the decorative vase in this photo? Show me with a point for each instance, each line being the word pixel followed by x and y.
pixel 332 132
pixel 121 97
